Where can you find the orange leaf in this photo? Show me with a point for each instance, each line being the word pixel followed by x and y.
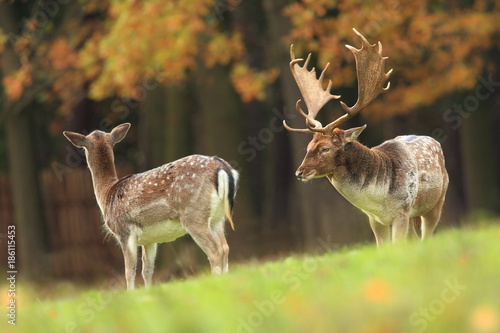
pixel 377 290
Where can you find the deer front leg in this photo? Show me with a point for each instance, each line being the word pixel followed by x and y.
pixel 382 232
pixel 148 263
pixel 129 249
pixel 400 227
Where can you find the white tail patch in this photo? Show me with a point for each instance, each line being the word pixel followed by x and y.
pixel 225 192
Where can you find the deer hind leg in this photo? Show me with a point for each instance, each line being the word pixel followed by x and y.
pixel 210 244
pixel 129 249
pixel 382 232
pixel 148 263
pixel 415 222
pixel 400 227
pixel 431 219
pixel 219 234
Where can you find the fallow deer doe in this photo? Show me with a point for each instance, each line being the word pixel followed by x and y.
pixel 194 195
pixel 403 181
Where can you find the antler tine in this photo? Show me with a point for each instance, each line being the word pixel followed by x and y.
pixel 371 77
pixel 311 88
pixel 302 113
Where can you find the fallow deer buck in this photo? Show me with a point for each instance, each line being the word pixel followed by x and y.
pixel 194 195
pixel 403 181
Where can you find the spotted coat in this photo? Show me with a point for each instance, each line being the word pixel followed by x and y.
pixel 398 182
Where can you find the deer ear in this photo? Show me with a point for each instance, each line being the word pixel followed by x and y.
pixel 118 133
pixel 352 134
pixel 77 139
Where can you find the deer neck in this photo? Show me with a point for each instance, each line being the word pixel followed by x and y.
pixel 104 176
pixel 355 167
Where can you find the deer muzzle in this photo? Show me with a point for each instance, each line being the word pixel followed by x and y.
pixel 304 175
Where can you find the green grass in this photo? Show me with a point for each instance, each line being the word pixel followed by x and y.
pixel 450 283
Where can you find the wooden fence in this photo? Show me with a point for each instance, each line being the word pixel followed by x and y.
pixel 77 244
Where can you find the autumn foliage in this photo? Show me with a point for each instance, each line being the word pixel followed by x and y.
pixel 435 48
pixel 172 38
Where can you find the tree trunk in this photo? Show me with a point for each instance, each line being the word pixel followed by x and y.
pixel 26 196
pixel 266 148
pixel 219 119
pixel 178 129
pixel 153 126
pixel 30 233
pixel 218 131
pixel 479 172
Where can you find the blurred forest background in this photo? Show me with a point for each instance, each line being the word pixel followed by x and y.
pixel 212 77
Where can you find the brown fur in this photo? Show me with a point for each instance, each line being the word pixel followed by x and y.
pixel 399 181
pixel 191 195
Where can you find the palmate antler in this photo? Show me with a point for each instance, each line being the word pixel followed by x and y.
pixel 371 78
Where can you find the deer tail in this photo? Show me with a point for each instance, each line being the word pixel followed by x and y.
pixel 227 184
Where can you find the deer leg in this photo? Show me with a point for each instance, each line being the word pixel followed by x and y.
pixel 400 228
pixel 148 263
pixel 382 232
pixel 129 249
pixel 219 231
pixel 431 219
pixel 203 236
pixel 412 232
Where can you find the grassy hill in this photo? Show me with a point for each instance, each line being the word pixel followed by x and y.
pixel 450 283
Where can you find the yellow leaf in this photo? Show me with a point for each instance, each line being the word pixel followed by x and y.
pixel 484 319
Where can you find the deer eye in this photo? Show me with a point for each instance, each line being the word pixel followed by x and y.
pixel 325 149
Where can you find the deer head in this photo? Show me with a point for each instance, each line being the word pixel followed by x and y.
pixel 329 140
pixel 99 142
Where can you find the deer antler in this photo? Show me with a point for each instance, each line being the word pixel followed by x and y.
pixel 312 90
pixel 371 78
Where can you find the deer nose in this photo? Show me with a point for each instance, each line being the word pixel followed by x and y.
pixel 299 174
